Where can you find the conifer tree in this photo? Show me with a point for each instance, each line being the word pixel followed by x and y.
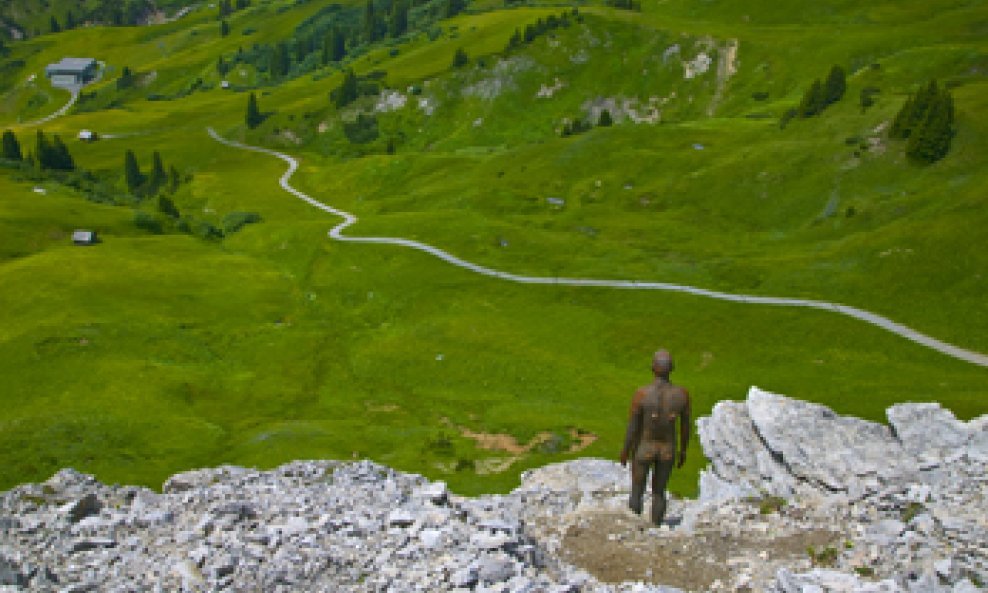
pixel 348 90
pixel 334 46
pixel 158 176
pixel 835 86
pixel 53 25
pixel 11 147
pixel 605 119
pixel 370 22
pixel 60 157
pixel 42 151
pixel 254 117
pixel 132 173
pixel 515 40
pixel 399 19
pixel 167 207
pixel 126 79
pixel 900 124
pixel 813 100
pixel 453 8
pixel 173 179
pixel 224 28
pixel 460 58
pixel 282 61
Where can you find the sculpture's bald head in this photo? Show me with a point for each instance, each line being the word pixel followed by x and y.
pixel 662 363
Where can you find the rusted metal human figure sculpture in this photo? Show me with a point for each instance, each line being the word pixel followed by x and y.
pixel 650 442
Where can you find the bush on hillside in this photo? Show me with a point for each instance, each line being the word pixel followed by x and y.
pixel 867 98
pixel 234 221
pixel 148 222
pixel 363 130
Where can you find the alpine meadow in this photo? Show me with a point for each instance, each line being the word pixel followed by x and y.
pixel 832 151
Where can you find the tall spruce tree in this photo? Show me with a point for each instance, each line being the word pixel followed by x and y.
pixel 814 100
pixel 282 60
pixel 399 19
pixel 333 46
pixel 60 157
pixel 347 92
pixel 835 86
pixel 157 177
pixel 11 147
pixel 132 173
pixel 369 24
pixel 42 151
pixel 253 117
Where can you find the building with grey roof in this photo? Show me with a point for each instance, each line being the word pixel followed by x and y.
pixel 71 71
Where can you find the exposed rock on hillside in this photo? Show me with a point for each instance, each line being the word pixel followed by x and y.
pixel 899 508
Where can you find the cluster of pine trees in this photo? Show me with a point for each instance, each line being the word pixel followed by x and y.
pixel 540 27
pixel 141 185
pixel 822 95
pixel 103 12
pixel 926 122
pixel 337 31
pixel 353 87
pixel 50 154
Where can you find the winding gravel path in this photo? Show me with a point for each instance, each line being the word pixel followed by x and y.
pixel 61 111
pixel 348 219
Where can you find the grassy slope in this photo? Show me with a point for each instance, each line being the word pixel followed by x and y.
pixel 147 355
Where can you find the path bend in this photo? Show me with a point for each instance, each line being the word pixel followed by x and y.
pixel 336 233
pixel 61 110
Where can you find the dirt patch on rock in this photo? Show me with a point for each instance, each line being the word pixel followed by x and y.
pixel 617 546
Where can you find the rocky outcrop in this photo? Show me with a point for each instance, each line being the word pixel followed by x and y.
pixel 882 508
pixel 778 446
pixel 912 495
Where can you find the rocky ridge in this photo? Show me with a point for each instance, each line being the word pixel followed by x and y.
pixel 796 499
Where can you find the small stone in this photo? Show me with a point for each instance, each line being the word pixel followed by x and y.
pixel 400 518
pixel 84 507
pixel 431 538
pixel 11 574
pixel 495 570
pixel 91 543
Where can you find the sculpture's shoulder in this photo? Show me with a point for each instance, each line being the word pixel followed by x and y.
pixel 677 395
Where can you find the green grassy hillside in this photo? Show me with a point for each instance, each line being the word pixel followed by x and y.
pixel 152 353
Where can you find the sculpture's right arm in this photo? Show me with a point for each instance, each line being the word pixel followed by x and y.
pixel 633 433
